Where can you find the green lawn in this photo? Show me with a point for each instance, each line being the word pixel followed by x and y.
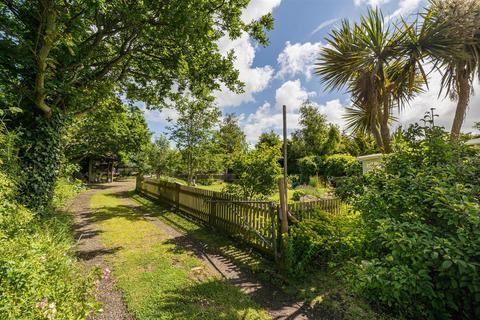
pixel 323 289
pixel 160 280
pixel 318 192
pixel 216 186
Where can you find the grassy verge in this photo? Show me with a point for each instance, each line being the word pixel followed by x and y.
pixel 39 277
pixel 322 288
pixel 160 280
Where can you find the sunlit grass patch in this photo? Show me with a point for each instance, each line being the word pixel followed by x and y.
pixel 160 280
pixel 241 255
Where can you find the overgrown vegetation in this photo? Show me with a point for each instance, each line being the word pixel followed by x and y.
pixel 39 278
pixel 421 215
pixel 321 241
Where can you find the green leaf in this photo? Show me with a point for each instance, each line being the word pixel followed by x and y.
pixel 446 264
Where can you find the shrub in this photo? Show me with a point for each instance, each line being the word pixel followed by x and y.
pixel 297 194
pixel 307 167
pixel 39 279
pixel 65 189
pixel 421 212
pixel 340 165
pixel 323 238
pixel 256 173
pixel 314 182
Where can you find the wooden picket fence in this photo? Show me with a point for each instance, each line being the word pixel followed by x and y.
pixel 304 210
pixel 255 223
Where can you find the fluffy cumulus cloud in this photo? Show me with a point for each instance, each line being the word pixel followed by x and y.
pixel 269 116
pixel 292 94
pixel 255 79
pixel 298 58
pixel 404 7
pixel 258 8
pixel 444 107
pixel 334 110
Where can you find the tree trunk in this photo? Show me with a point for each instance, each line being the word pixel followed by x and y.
pixel 462 103
pixel 90 170
pixel 190 169
pixel 40 156
pixel 385 130
pixel 374 128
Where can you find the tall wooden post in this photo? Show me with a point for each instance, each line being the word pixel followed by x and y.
pixel 285 171
pixel 283 207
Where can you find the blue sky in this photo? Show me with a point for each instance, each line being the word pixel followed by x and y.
pixel 282 73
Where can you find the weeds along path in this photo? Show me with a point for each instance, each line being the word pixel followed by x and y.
pixel 159 273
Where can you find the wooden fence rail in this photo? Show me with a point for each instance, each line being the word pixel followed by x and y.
pixel 253 222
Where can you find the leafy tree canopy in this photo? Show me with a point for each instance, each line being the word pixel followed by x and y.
pixel 112 131
pixel 316 137
pixel 270 139
pixel 231 140
pixel 256 173
pixel 66 54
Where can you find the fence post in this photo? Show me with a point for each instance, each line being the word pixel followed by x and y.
pixel 213 210
pixel 177 195
pixel 274 216
pixel 138 183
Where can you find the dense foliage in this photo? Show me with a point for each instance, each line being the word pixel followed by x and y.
pixel 113 131
pixel 231 141
pixel 38 276
pixel 422 221
pixel 321 240
pixel 256 173
pixel 160 158
pixel 339 165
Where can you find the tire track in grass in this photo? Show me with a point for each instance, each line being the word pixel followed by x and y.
pixel 160 279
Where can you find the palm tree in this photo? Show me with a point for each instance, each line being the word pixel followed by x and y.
pixel 364 59
pixel 458 69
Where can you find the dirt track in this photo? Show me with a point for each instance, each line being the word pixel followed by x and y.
pixel 92 253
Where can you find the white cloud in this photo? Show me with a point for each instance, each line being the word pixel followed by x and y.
pixel 258 8
pixel 373 3
pixel 334 110
pixel 323 25
pixel 292 94
pixel 298 58
pixel 269 117
pixel 405 7
pixel 445 107
pixel 255 79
